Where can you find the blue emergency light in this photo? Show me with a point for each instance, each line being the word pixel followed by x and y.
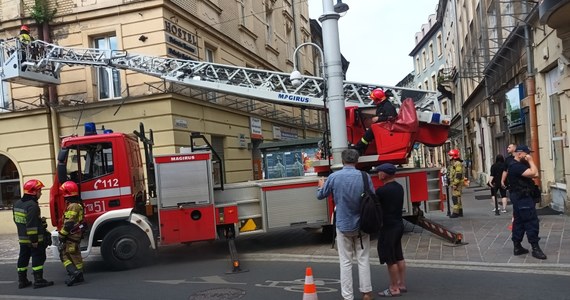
pixel 90 128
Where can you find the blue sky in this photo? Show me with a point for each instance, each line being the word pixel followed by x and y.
pixel 377 36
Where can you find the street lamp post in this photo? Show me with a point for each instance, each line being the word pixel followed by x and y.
pixel 332 76
pixel 296 81
pixel 335 78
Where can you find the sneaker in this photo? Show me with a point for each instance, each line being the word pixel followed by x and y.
pixel 504 211
pixel 494 209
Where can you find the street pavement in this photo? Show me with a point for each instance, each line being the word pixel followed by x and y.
pixel 486 238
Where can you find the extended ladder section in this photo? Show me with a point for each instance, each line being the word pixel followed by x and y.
pixel 39 63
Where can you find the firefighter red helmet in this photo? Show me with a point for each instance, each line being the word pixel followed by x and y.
pixel 69 189
pixel 377 95
pixel 31 187
pixel 453 153
pixel 25 28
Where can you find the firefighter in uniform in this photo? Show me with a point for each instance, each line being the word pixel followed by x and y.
pixel 32 235
pixel 385 111
pixel 25 39
pixel 71 233
pixel 456 182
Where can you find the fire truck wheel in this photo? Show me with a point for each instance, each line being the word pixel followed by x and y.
pixel 125 247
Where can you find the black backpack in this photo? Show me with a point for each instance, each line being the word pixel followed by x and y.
pixel 370 209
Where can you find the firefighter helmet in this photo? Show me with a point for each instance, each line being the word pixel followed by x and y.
pixel 377 95
pixel 25 28
pixel 69 189
pixel 31 187
pixel 453 154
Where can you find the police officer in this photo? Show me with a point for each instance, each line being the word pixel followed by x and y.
pixel 456 182
pixel 32 235
pixel 385 111
pixel 520 176
pixel 71 233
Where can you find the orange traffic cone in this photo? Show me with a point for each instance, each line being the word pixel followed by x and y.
pixel 511 224
pixel 310 291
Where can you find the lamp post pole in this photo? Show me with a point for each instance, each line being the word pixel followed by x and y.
pixel 335 78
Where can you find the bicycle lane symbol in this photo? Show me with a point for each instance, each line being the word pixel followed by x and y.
pixel 298 285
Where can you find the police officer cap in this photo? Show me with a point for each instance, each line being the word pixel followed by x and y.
pixel 387 168
pixel 523 148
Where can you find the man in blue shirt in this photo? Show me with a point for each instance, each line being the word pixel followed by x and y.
pixel 346 186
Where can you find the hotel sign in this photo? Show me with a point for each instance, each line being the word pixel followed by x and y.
pixel 180 42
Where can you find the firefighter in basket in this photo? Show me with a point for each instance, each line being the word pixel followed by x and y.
pixel 71 233
pixel 385 111
pixel 456 181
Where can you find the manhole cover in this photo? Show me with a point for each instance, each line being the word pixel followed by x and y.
pixel 218 294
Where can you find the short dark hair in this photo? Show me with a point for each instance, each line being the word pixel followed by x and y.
pixel 349 156
pixel 499 158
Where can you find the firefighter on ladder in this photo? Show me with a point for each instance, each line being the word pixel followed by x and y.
pixel 385 111
pixel 456 182
pixel 71 233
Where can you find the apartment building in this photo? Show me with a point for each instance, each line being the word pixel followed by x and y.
pixel 250 33
pixel 512 79
pixel 430 62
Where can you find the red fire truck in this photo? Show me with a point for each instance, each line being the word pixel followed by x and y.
pixel 180 201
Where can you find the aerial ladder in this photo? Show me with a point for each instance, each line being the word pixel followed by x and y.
pixel 44 62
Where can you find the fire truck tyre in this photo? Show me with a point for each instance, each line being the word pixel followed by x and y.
pixel 125 247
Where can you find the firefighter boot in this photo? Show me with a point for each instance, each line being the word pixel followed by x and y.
pixel 360 146
pixel 23 281
pixel 519 250
pixel 537 252
pixel 74 278
pixel 39 281
pixel 73 275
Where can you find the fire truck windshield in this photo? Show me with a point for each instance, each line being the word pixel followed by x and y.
pixel 89 161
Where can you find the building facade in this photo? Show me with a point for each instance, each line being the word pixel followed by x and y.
pixel 512 81
pixel 253 34
pixel 430 62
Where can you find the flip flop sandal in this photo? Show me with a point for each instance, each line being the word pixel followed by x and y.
pixel 388 293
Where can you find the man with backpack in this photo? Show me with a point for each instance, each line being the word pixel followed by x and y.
pixel 346 186
pixel 391 198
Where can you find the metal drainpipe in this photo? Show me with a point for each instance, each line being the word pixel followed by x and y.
pixel 531 90
pixel 52 100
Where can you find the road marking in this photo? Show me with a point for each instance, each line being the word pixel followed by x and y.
pixel 205 279
pixel 17 297
pixel 298 285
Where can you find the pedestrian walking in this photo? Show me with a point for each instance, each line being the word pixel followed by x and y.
pixel 391 197
pixel 32 235
pixel 346 186
pixel 495 184
pixel 520 174
pixel 456 182
pixel 71 233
